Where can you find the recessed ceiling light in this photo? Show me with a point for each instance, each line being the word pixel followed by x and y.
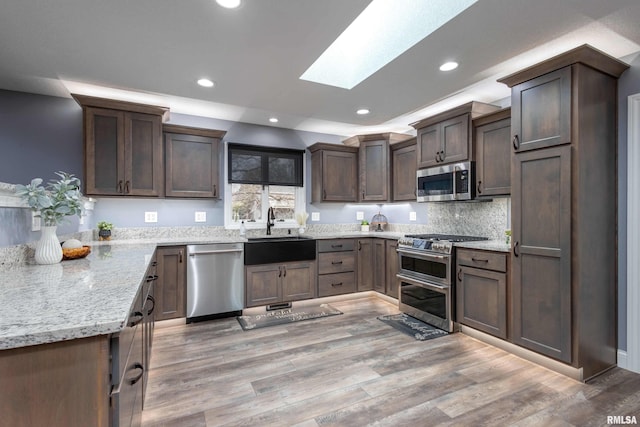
pixel 273 119
pixel 362 111
pixel 229 4
pixel 205 83
pixel 362 49
pixel 448 66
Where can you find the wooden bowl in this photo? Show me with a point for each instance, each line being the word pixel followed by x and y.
pixel 76 253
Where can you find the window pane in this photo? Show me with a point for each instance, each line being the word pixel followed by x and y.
pixel 283 201
pixel 282 170
pixel 246 202
pixel 246 167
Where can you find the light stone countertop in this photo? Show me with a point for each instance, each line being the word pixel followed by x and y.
pixel 93 296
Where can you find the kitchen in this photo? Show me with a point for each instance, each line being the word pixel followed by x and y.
pixel 34 118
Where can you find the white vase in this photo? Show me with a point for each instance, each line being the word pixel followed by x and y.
pixel 48 249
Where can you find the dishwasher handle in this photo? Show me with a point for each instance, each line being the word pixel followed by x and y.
pixel 220 251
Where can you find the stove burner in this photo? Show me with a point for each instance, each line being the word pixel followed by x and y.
pixel 450 237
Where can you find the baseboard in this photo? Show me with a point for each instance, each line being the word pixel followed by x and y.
pixel 622 359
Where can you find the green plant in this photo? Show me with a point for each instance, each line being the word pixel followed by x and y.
pixel 104 225
pixel 55 201
pixel 364 222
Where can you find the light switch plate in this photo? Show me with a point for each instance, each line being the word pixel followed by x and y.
pixel 359 215
pixel 201 216
pixel 412 216
pixel 151 217
pixel 315 216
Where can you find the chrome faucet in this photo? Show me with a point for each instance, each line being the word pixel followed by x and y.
pixel 270 218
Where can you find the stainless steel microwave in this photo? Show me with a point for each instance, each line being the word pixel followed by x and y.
pixel 447 182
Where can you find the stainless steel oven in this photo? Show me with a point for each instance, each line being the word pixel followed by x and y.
pixel 427 290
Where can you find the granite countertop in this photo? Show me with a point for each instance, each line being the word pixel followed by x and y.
pixel 487 245
pixel 72 299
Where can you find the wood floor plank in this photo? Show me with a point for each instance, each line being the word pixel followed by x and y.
pixel 354 370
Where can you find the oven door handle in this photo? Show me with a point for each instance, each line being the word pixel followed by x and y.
pixel 422 255
pixel 413 281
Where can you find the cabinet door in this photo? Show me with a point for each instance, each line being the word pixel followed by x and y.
pixel 263 284
pixel 429 145
pixel 482 300
pixel 455 139
pixel 143 154
pixel 392 268
pixel 404 173
pixel 493 158
pixel 339 176
pixel 298 281
pixel 191 166
pixel 365 264
pixel 171 285
pixel 374 170
pixel 104 151
pixel 541 258
pixel 541 111
pixel 379 266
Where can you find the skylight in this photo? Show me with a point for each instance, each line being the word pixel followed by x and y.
pixel 383 31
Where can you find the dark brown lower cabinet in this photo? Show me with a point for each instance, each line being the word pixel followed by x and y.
pixel 481 291
pixel 379 266
pixel 392 268
pixel 171 285
pixel 336 267
pixel 365 267
pixel 274 283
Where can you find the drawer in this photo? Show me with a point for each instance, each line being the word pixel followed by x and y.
pixel 336 245
pixel 336 284
pixel 482 259
pixel 122 342
pixel 336 262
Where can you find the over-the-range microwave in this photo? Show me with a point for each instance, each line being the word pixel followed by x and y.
pixel 447 182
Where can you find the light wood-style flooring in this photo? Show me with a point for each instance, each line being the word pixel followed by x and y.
pixel 354 370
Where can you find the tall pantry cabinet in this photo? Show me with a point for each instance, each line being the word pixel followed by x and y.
pixel 564 183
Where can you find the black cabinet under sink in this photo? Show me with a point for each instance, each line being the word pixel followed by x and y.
pixel 270 250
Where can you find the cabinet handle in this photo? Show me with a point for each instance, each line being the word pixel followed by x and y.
pixel 120 186
pixel 336 246
pixel 459 277
pixel 138 377
pixel 362 194
pixel 153 301
pixel 154 263
pixel 136 317
pixel 324 194
pixel 279 271
pixel 180 256
pixel 285 270
pixel 336 262
pixel 516 142
pixel 126 186
pixel 479 260
pixel 336 284
pixel 480 187
pixel 215 191
pixel 359 246
pixel 515 249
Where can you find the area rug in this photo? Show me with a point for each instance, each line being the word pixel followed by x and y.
pixel 413 327
pixel 289 315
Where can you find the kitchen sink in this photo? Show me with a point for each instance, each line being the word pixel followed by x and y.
pixel 270 250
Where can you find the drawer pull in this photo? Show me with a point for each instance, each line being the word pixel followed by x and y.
pixel 153 301
pixel 516 142
pixel 479 260
pixel 516 252
pixel 459 275
pixel 138 377
pixel 336 284
pixel 136 317
pixel 336 262
pixel 336 246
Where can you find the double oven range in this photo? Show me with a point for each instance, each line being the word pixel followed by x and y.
pixel 426 285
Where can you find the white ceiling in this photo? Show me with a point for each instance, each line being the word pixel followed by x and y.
pixel 154 51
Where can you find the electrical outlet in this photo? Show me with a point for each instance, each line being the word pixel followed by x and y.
pixel 201 217
pixel 315 216
pixel 35 222
pixel 359 215
pixel 151 217
pixel 412 216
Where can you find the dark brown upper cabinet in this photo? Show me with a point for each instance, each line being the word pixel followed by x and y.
pixel 492 133
pixel 334 173
pixel 192 161
pixel 123 147
pixel 446 137
pixel 403 169
pixel 374 170
pixel 564 180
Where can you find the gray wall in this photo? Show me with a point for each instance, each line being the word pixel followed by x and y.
pixel 629 84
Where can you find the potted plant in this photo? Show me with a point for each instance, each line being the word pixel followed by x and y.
pixel 60 198
pixel 364 225
pixel 104 230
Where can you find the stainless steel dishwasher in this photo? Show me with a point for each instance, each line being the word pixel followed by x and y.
pixel 215 281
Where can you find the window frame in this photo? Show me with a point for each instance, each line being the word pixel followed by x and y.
pixel 265 154
pixel 300 195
